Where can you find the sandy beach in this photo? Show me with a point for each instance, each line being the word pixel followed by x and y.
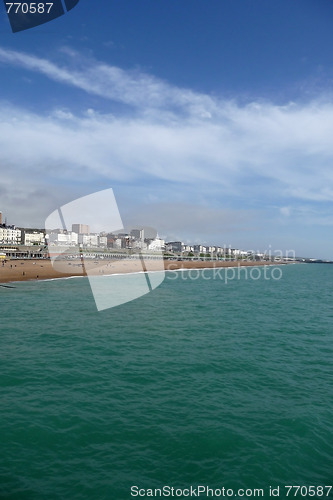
pixel 24 270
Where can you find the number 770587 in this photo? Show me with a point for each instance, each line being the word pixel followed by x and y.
pixel 31 7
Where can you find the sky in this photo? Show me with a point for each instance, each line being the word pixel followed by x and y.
pixel 211 120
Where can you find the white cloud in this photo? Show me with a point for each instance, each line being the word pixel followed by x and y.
pixel 250 154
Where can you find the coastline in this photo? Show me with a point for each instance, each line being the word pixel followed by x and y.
pixel 41 269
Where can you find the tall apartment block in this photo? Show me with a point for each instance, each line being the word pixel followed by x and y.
pixel 80 228
pixel 139 234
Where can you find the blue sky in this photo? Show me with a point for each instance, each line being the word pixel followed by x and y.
pixel 211 120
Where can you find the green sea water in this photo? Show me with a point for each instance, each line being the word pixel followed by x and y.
pixel 200 382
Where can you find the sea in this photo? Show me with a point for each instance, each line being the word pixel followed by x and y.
pixel 205 387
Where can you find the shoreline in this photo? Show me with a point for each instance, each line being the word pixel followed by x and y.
pixel 41 269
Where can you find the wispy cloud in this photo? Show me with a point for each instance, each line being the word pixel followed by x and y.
pixel 135 88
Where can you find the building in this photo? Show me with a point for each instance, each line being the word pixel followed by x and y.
pixel 34 238
pixel 102 241
pixel 156 245
pixel 139 245
pixel 218 250
pixel 199 249
pixel 138 234
pixel 63 239
pixel 9 235
pixel 110 240
pixel 175 246
pixel 117 243
pixel 93 240
pixel 88 240
pixel 188 248
pixel 80 228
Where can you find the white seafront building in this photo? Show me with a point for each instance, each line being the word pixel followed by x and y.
pixel 34 238
pixel 63 239
pixel 92 240
pixel 71 239
pixel 9 235
pixel 156 245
